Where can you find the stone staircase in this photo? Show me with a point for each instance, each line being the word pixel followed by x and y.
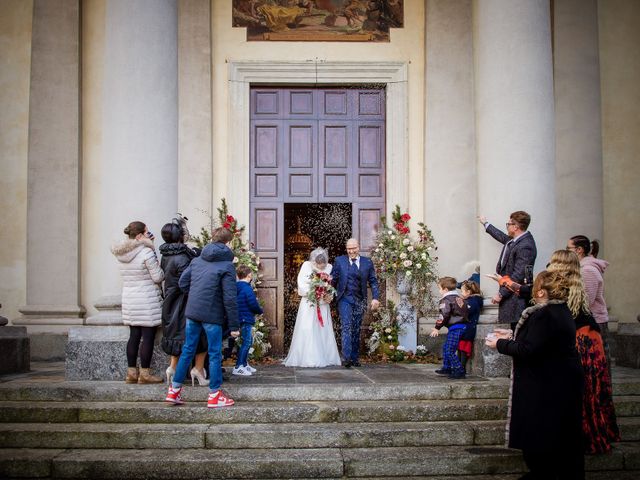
pixel 393 428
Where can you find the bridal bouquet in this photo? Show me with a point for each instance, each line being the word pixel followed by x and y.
pixel 321 290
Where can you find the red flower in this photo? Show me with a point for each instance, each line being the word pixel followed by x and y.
pixel 227 225
pixel 405 217
pixel 230 219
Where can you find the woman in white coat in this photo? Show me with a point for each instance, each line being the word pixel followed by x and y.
pixel 141 298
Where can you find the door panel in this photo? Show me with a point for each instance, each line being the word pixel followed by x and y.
pixel 366 218
pixel 266 234
pixel 312 145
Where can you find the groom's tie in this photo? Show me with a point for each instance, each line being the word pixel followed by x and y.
pixel 354 274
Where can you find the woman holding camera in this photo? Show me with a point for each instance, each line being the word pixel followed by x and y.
pixel 141 298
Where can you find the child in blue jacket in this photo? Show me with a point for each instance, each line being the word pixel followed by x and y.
pixel 248 307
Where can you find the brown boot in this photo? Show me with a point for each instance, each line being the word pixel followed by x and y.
pixel 132 375
pixel 146 377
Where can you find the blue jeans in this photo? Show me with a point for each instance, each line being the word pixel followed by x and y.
pixel 247 341
pixel 350 321
pixel 192 336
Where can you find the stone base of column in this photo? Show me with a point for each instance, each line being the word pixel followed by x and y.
pixel 15 352
pixel 51 315
pixel 486 361
pixel 109 311
pixel 99 353
pixel 626 347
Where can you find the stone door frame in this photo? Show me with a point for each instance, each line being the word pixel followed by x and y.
pixel 244 74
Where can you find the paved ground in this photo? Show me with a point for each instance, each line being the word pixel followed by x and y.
pixel 53 372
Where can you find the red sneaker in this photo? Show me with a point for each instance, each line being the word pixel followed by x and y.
pixel 174 396
pixel 218 400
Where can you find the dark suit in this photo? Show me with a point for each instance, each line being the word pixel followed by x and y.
pixel 352 300
pixel 520 255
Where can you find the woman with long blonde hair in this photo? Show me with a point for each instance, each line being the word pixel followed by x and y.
pixel 599 418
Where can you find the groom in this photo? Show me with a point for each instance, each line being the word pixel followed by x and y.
pixel 351 273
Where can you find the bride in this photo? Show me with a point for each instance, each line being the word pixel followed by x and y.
pixel 313 344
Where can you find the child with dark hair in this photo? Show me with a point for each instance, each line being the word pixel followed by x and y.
pixel 248 306
pixel 454 314
pixel 473 298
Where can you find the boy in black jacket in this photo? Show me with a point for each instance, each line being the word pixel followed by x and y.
pixel 453 315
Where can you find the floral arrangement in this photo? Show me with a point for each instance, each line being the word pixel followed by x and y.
pixel 398 257
pixel 321 290
pixel 385 329
pixel 243 254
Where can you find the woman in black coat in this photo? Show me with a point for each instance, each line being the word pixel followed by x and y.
pixel 545 405
pixel 176 257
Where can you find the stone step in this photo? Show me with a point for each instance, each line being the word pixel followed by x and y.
pixel 253 412
pixel 250 389
pixel 410 462
pixel 283 435
pixel 314 435
pixel 436 389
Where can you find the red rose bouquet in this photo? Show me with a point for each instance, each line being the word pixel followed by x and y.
pixel 321 290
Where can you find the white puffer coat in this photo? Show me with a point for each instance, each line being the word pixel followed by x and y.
pixel 141 279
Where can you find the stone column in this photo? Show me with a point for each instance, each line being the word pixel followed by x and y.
pixel 578 120
pixel 53 204
pixel 132 142
pixel 450 156
pixel 514 121
pixel 195 157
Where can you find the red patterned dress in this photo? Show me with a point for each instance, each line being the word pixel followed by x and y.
pixel 599 417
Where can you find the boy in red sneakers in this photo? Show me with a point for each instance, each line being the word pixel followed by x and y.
pixel 210 280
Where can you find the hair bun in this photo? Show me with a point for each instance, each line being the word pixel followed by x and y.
pixel 127 230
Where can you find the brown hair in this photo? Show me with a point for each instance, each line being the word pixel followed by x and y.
pixel 221 235
pixel 523 219
pixel 243 271
pixel 472 286
pixel 134 229
pixel 554 283
pixel 447 283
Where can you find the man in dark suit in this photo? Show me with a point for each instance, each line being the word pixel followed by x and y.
pixel 351 274
pixel 516 260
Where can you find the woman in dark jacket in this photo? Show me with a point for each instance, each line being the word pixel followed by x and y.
pixel 176 257
pixel 545 405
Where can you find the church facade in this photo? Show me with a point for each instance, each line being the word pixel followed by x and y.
pixel 114 111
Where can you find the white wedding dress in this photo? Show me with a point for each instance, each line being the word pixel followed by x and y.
pixel 312 345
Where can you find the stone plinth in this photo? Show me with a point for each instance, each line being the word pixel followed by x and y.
pixel 487 361
pixel 15 350
pixel 627 345
pixel 99 353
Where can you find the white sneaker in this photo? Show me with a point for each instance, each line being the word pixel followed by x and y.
pixel 241 371
pixel 250 368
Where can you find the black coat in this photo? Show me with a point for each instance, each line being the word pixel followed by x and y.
pixel 546 398
pixel 521 255
pixel 176 257
pixel 210 280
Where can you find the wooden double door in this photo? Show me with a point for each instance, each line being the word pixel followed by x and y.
pixel 312 145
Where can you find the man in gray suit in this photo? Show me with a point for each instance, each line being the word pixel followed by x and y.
pixel 516 260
